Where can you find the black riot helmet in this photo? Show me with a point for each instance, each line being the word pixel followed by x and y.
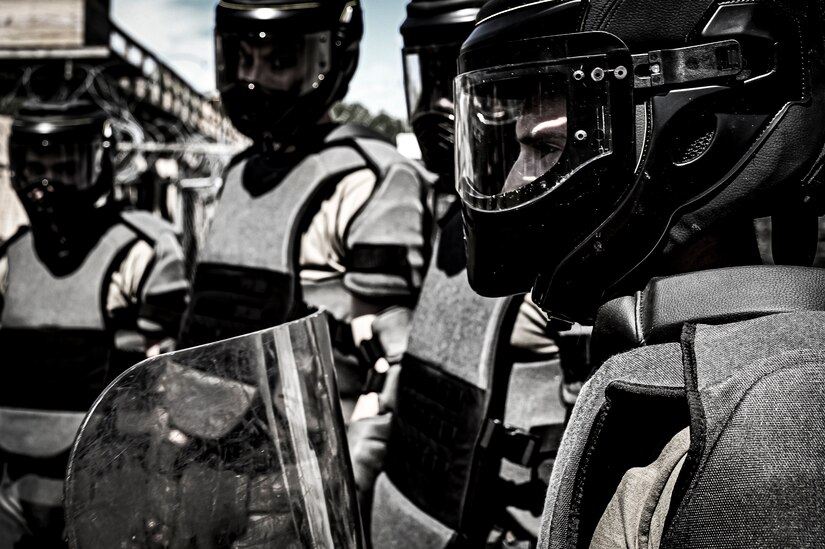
pixel 585 155
pixel 282 63
pixel 61 160
pixel 433 32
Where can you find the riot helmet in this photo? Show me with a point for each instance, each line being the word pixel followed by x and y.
pixel 589 151
pixel 282 63
pixel 433 32
pixel 61 161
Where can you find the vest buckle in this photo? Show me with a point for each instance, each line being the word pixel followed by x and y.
pixel 511 443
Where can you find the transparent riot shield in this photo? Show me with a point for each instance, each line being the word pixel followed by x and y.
pixel 235 444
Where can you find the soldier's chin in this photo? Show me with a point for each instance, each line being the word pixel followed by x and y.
pixel 256 112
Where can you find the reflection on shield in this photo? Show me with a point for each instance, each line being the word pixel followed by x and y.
pixel 235 444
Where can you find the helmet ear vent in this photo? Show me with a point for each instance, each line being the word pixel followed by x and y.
pixel 693 139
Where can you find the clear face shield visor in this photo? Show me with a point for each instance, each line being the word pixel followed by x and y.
pixel 428 76
pixel 294 63
pixel 44 165
pixel 523 129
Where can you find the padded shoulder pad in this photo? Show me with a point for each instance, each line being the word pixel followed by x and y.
pixel 718 296
pixel 148 225
pixel 378 152
pixel 385 241
pixel 383 156
pixel 655 366
pixel 354 131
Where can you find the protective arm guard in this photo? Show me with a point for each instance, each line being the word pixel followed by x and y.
pixel 386 243
pixel 163 296
pixel 164 286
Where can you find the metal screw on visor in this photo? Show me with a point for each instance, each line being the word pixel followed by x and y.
pixel 580 135
pixel 620 72
pixel 597 75
pixel 578 75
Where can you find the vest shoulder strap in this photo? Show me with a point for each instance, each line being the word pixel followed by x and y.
pixel 5 244
pixel 149 226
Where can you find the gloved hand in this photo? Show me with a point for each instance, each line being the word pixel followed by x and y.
pixel 368 435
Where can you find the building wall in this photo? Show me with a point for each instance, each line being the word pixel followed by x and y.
pixel 12 214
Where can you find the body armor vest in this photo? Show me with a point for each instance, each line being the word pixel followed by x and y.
pixel 247 277
pixel 742 365
pixel 55 338
pixel 59 354
pixel 458 388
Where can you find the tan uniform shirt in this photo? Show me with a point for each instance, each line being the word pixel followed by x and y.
pixel 323 251
pixel 635 516
pixel 529 333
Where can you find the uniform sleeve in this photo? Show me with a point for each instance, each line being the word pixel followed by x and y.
pixel 635 516
pixel 529 332
pixel 385 240
pixel 323 250
pixel 151 279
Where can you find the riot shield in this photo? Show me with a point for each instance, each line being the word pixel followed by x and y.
pixel 234 444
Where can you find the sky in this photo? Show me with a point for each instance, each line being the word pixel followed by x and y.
pixel 180 32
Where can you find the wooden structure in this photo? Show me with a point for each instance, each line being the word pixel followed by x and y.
pixel 52 49
pixel 42 42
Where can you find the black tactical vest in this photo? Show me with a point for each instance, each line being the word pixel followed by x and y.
pixel 459 397
pixel 247 277
pixel 738 356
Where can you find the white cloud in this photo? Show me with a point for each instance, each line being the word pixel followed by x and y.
pixel 179 34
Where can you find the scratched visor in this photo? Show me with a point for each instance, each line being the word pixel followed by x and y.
pixel 523 130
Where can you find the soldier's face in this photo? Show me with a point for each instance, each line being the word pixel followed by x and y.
pixel 541 131
pixel 273 65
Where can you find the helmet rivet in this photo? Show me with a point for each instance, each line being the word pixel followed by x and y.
pixel 597 74
pixel 620 72
pixel 321 77
pixel 655 68
pixel 578 75
pixel 315 85
pixel 251 86
pixel 580 135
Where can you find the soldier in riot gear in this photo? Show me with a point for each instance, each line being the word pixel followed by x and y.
pixel 313 214
pixel 617 166
pixel 463 400
pixel 85 291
